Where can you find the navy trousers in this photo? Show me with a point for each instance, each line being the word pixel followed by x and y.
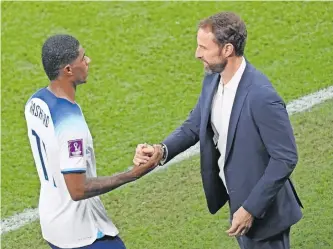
pixel 107 242
pixel 280 241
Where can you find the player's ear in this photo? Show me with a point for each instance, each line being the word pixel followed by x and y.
pixel 68 70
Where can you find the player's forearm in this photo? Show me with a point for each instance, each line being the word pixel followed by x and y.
pixel 100 185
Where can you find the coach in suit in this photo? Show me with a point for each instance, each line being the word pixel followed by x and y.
pixel 247 146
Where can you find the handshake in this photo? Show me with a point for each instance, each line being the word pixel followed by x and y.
pixel 147 157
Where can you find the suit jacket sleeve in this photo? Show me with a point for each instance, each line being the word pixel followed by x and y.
pixel 186 135
pixel 270 115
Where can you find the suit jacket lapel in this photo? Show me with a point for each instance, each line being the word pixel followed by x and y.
pixel 212 86
pixel 242 91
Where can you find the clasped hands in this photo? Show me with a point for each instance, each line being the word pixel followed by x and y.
pixel 146 158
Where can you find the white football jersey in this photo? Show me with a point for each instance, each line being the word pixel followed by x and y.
pixel 61 143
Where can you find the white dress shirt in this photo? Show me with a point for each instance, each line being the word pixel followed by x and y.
pixel 221 111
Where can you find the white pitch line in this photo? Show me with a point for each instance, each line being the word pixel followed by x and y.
pixel 18 220
pixel 302 104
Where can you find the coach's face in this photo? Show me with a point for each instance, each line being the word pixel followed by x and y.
pixel 213 56
pixel 80 67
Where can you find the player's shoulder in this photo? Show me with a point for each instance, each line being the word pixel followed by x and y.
pixel 45 102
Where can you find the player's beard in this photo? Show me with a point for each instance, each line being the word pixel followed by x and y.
pixel 216 68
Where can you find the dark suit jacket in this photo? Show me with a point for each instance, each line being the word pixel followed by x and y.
pixel 260 155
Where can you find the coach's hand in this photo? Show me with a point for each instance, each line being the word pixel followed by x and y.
pixel 143 152
pixel 241 223
pixel 141 169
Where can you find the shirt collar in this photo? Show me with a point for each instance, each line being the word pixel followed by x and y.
pixel 234 82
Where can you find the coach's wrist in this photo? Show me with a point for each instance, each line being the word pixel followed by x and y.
pixel 164 151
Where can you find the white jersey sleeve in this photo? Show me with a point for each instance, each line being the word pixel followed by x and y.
pixel 72 139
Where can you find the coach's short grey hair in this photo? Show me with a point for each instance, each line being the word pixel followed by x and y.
pixel 227 27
